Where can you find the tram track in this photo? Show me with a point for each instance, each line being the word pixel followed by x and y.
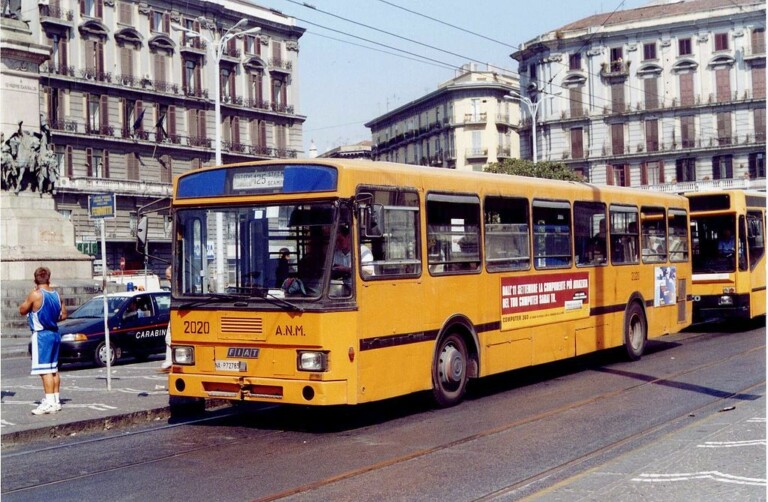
pixel 514 489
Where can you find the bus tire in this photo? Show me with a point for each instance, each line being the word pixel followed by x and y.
pixel 449 370
pixel 635 331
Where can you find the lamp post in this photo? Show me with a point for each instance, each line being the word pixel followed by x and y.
pixel 533 110
pixel 216 48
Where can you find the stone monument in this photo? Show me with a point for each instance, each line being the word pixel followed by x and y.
pixel 32 232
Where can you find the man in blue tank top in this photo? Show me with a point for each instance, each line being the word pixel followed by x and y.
pixel 44 309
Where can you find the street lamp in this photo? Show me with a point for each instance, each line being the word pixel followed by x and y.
pixel 216 49
pixel 533 110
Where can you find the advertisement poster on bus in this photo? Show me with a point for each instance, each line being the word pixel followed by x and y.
pixel 535 300
pixel 665 286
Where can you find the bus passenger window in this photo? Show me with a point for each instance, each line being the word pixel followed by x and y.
pixel 551 234
pixel 677 223
pixel 389 229
pixel 589 232
pixel 453 233
pixel 624 234
pixel 654 234
pixel 507 240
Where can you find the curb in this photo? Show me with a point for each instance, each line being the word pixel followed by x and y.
pixel 181 408
pixel 85 426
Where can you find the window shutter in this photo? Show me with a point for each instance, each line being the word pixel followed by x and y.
pixel 82 7
pixel 105 162
pixel 69 167
pixel 166 23
pixel 89 162
pixel 661 171
pixel 137 114
pixel 201 124
pixel 627 181
pixel 236 130
pixel 100 9
pixel 104 112
pixel 63 47
pixel 263 134
pixel 171 121
pixel 99 61
pixel 192 123
pixel 609 175
pixel 644 174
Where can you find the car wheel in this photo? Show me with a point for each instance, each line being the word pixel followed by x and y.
pixel 100 355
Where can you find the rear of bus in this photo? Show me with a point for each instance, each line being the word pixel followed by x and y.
pixel 728 241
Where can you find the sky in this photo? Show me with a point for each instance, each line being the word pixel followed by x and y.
pixel 345 82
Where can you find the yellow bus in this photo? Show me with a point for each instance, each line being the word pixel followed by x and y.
pixel 728 239
pixel 329 282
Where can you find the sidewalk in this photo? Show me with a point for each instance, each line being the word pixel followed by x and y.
pixel 139 394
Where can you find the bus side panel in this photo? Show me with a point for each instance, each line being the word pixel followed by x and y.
pixel 757 285
pixel 395 347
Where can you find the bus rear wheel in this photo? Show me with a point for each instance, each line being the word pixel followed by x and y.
pixel 635 331
pixel 449 370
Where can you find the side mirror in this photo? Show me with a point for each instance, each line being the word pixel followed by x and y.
pixel 141 234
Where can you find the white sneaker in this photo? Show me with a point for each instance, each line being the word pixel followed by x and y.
pixel 57 406
pixel 45 408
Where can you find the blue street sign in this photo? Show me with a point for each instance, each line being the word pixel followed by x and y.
pixel 101 206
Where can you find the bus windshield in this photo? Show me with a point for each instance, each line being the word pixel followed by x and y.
pixel 268 251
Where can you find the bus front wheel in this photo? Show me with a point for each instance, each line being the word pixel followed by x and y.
pixel 449 370
pixel 635 331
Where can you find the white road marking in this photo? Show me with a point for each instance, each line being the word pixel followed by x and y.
pixel 732 444
pixel 689 476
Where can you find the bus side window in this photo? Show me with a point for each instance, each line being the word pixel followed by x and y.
pixel 389 228
pixel 624 233
pixel 453 233
pixel 653 234
pixel 677 223
pixel 507 236
pixel 589 233
pixel 551 234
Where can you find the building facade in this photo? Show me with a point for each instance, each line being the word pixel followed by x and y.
pixel 128 97
pixel 669 96
pixel 465 124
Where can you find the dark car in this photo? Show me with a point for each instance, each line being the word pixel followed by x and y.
pixel 138 322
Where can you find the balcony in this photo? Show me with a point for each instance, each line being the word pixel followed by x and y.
pixel 614 70
pixel 280 65
pixel 475 118
pixel 52 16
pixel 503 152
pixel 476 153
pixel 707 185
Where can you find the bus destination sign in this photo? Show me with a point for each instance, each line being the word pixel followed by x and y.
pixel 262 180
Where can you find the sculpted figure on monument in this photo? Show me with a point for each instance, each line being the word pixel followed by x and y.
pixel 27 162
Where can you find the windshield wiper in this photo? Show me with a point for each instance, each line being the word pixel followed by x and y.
pixel 212 298
pixel 264 294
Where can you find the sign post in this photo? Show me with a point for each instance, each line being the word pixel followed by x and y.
pixel 102 207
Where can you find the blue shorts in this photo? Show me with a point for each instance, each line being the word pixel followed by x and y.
pixel 45 352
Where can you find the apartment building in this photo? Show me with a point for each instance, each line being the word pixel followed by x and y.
pixel 669 96
pixel 128 95
pixel 465 124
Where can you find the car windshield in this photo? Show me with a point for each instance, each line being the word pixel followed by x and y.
pixel 269 252
pixel 95 307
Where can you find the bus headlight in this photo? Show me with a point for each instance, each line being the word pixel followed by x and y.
pixel 183 354
pixel 725 301
pixel 312 361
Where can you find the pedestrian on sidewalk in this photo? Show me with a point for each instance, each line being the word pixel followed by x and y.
pixel 44 309
pixel 166 366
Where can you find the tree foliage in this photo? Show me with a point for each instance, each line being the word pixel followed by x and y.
pixel 544 169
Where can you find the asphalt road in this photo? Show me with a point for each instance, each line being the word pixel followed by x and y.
pixel 534 433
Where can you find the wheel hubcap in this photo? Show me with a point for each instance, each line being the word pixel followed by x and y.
pixel 451 365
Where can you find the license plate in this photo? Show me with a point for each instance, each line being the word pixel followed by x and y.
pixel 231 365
